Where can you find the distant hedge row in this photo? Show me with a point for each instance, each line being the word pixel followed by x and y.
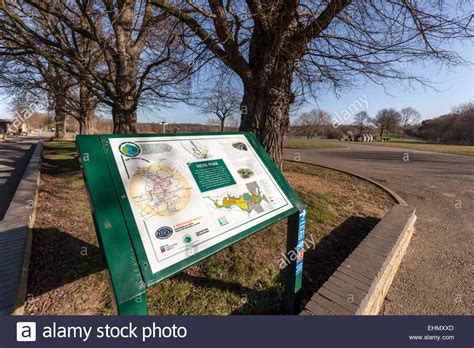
pixel 455 128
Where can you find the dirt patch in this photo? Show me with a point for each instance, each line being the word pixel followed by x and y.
pixel 67 273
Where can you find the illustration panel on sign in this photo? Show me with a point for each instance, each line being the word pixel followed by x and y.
pixel 189 193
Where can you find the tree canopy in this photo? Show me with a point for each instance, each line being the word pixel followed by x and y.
pixel 128 53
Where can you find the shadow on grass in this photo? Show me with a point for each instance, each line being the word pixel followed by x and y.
pixel 57 259
pixel 61 158
pixel 61 166
pixel 254 302
pixel 320 264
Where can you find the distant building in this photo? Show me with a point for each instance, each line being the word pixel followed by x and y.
pixel 4 125
pixel 9 127
pixel 23 129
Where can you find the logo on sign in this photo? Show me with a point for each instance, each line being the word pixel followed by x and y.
pixel 164 232
pixel 129 149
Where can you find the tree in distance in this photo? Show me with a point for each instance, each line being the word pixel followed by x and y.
pixel 386 120
pixel 453 128
pixel 362 120
pixel 410 116
pixel 313 121
pixel 221 101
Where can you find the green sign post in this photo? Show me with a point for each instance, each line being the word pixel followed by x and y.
pixel 162 203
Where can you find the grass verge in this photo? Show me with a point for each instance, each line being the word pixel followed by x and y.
pixel 67 275
pixel 312 144
pixel 442 148
pixel 397 143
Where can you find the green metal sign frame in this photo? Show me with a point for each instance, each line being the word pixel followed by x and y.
pixel 119 238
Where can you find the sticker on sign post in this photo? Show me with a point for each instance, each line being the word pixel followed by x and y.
pixel 300 243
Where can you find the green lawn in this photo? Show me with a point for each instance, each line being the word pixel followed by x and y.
pixel 413 145
pixel 404 144
pixel 312 144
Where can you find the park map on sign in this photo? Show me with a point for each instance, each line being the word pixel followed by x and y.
pixel 245 202
pixel 188 193
pixel 157 191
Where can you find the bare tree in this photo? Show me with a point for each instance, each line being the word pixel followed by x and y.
pixel 409 117
pixel 30 77
pixel 59 88
pixel 221 101
pixel 465 108
pixel 27 69
pixel 283 49
pixel 313 121
pixel 362 120
pixel 135 43
pixel 386 119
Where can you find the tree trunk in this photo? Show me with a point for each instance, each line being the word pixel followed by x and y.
pixel 405 127
pixel 82 126
pixel 124 110
pixel 86 110
pixel 60 129
pixel 60 116
pixel 85 123
pixel 222 124
pixel 265 112
pixel 125 119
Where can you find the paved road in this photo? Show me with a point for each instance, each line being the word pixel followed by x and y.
pixel 437 273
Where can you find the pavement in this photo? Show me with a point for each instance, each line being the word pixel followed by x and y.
pixel 15 152
pixel 19 172
pixel 436 275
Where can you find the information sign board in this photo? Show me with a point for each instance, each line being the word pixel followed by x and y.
pixel 184 197
pixel 187 195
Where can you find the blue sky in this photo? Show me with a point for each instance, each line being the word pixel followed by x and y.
pixel 451 87
pixel 454 87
